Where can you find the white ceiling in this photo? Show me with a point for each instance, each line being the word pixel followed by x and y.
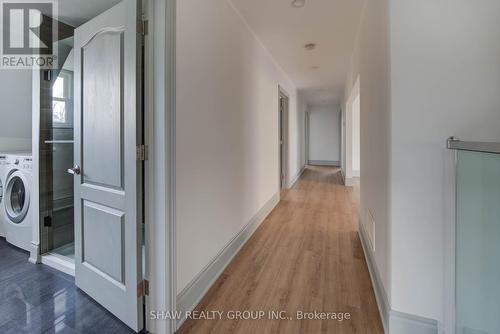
pixel 284 30
pixel 77 12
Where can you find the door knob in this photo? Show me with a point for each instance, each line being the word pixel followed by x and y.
pixel 75 170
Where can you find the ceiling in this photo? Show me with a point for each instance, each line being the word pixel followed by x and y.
pixel 319 74
pixel 77 12
pixel 284 30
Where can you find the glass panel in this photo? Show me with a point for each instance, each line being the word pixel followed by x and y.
pixel 478 243
pixel 62 200
pixel 59 111
pixel 58 88
pixel 56 156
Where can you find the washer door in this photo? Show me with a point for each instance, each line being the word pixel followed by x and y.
pixel 17 197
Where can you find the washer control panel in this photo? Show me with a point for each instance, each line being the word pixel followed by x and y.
pixel 18 162
pixel 25 163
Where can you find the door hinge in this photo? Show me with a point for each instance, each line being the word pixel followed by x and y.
pixel 143 288
pixel 142 152
pixel 142 27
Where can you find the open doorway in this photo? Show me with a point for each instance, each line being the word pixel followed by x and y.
pixel 101 225
pixel 90 155
pixel 56 156
pixel 323 135
pixel 283 137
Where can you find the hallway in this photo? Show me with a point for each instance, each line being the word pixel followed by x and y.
pixel 306 256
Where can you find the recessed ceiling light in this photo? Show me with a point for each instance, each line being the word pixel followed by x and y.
pixel 310 46
pixel 298 3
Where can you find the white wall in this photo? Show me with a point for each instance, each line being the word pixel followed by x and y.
pixel 370 61
pixel 445 81
pixel 15 111
pixel 227 131
pixel 324 133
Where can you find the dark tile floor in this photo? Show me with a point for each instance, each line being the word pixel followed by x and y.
pixel 39 299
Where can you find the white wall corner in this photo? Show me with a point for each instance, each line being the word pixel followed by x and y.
pixel 294 180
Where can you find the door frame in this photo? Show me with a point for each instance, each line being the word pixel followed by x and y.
pixel 284 155
pixel 449 242
pixel 354 93
pixel 160 168
pixel 307 133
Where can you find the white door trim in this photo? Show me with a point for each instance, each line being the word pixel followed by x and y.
pixel 353 94
pixel 35 151
pixel 306 130
pixel 449 242
pixel 160 175
pixel 284 166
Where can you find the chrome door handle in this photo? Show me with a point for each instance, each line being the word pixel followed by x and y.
pixel 75 170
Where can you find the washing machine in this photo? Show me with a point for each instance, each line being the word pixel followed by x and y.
pixel 17 208
pixel 3 162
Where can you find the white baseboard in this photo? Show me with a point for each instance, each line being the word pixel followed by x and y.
pixel 192 294
pixel 380 294
pixel 356 173
pixel 411 324
pixel 394 322
pixel 35 253
pixel 349 181
pixel 324 163
pixel 297 177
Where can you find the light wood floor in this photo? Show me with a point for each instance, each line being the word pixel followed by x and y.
pixel 306 256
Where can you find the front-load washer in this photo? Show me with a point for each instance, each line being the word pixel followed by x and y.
pixel 18 211
pixel 3 162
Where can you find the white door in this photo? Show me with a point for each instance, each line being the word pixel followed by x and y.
pixel 107 187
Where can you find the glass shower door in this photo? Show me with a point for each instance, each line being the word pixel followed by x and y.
pixel 478 243
pixel 56 156
pixel 63 234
